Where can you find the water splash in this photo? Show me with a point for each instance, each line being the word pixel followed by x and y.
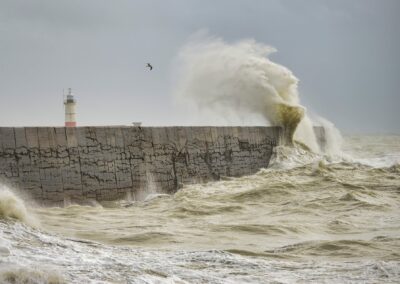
pixel 13 207
pixel 333 137
pixel 286 158
pixel 148 190
pixel 240 77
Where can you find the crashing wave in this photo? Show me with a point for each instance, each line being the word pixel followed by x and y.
pixel 239 78
pixel 13 207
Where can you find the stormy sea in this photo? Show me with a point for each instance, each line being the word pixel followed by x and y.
pixel 311 216
pixel 308 218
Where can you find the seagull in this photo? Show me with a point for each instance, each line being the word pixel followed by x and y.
pixel 149 65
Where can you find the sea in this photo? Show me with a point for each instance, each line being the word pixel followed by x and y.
pixel 308 218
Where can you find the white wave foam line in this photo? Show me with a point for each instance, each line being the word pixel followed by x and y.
pixel 285 158
pixel 20 274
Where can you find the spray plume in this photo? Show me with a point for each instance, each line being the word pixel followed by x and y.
pixel 13 207
pixel 240 77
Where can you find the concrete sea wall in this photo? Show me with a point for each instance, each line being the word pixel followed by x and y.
pixel 54 164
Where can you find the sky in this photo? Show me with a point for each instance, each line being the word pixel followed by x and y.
pixel 345 54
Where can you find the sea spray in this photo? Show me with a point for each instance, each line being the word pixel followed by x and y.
pixel 240 76
pixel 13 207
pixel 334 139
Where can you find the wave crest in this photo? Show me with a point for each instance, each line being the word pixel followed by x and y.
pixel 13 207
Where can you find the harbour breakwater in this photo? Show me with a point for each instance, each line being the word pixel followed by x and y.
pixel 56 164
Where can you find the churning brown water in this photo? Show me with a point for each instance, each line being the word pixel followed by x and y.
pixel 307 219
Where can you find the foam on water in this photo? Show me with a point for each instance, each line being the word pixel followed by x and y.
pixel 15 274
pixel 45 258
pixel 284 157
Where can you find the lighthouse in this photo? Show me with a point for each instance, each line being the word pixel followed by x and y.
pixel 70 114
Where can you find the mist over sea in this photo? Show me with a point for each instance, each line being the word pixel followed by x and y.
pixel 306 219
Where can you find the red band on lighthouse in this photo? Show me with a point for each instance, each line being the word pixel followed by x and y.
pixel 70 124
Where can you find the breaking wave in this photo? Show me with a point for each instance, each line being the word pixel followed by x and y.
pixel 13 207
pixel 12 274
pixel 240 78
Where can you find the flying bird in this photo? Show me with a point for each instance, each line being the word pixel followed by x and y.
pixel 149 65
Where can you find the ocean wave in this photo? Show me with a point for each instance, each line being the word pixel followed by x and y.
pixel 151 237
pixel 16 274
pixel 262 229
pixel 285 158
pixel 13 207
pixel 347 248
pixel 48 258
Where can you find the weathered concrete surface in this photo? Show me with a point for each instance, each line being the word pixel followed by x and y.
pixel 55 163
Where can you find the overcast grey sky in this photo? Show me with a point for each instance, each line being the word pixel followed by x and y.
pixel 345 53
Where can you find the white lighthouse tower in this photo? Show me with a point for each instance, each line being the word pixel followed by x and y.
pixel 70 114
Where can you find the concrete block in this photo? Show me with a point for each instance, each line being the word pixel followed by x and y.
pixel 7 138
pixel 20 137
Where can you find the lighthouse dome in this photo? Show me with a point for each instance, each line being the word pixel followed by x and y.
pixel 70 98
